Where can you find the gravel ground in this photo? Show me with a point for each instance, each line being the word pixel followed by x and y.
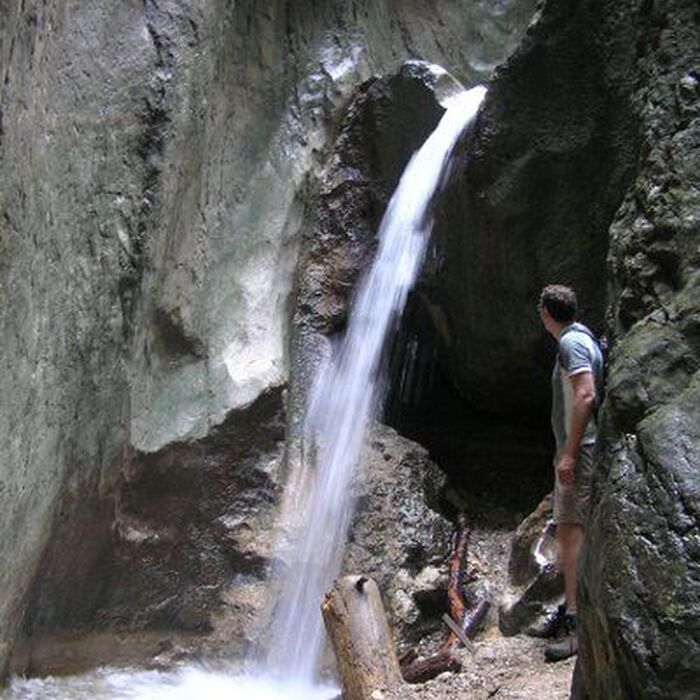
pixel 504 668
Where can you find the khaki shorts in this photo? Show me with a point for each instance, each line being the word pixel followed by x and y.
pixel 572 506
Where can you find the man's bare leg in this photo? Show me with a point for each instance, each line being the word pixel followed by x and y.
pixel 569 539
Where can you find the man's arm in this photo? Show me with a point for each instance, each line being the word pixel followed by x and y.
pixel 583 386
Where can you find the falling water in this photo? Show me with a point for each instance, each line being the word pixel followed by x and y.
pixel 342 400
pixel 189 683
pixel 345 393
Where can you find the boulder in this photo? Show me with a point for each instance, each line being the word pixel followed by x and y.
pixel 535 185
pixel 398 536
pixel 535 584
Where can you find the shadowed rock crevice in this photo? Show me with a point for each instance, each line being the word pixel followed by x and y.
pixel 57 598
pixel 496 463
pixel 534 187
pixel 171 339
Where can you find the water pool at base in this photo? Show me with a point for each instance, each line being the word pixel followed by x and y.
pixel 192 683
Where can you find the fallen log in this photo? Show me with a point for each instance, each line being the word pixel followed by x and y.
pixel 457 608
pixel 422 670
pixel 466 613
pixel 357 626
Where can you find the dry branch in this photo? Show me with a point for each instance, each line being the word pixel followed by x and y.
pixel 356 622
pixel 466 612
pixel 458 564
pixel 423 670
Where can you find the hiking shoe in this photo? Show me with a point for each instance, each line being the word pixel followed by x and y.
pixel 553 624
pixel 565 647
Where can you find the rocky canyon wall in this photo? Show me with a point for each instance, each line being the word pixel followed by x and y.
pixel 539 180
pixel 155 165
pixel 594 121
pixel 641 569
pixel 183 184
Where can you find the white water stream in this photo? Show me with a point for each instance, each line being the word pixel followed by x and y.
pixel 342 403
pixel 344 396
pixel 194 683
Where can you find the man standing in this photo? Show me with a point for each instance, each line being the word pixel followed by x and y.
pixel 577 382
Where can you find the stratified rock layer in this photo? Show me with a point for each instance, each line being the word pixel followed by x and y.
pixel 154 162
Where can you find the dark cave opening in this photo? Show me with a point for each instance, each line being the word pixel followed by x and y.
pixel 498 464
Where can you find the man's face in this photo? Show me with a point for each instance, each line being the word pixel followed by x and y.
pixel 547 320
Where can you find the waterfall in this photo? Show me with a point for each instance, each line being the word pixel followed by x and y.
pixel 344 396
pixel 341 405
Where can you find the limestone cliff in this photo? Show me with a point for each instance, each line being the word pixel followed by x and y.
pixel 154 167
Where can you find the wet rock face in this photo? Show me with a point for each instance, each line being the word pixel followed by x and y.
pixel 534 187
pixel 154 163
pixel 385 122
pixel 536 184
pixel 595 121
pixel 194 525
pixel 641 571
pixel 398 536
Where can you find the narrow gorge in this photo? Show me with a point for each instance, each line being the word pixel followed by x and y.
pixel 190 196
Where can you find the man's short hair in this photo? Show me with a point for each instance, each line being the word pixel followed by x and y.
pixel 560 302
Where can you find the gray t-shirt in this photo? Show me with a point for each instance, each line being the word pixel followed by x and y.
pixel 578 353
